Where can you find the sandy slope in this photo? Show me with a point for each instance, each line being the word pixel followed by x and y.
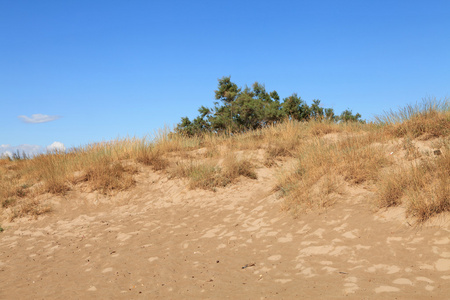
pixel 162 241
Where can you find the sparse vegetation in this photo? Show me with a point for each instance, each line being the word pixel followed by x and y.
pixel 423 186
pixel 323 166
pixel 151 156
pixel 210 175
pixel 430 117
pixel 387 157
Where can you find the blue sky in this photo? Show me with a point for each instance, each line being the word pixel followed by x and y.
pixel 96 70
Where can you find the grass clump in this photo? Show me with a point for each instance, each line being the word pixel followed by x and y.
pixel 31 208
pixel 53 170
pixel 325 127
pixel 201 175
pixel 234 167
pixel 312 182
pixel 151 156
pixel 423 186
pixel 8 202
pixel 106 175
pixel 391 188
pixel 358 159
pixel 430 117
pixel 210 175
pixel 323 166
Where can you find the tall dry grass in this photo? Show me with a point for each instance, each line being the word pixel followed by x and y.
pixel 323 166
pixel 209 174
pixel 328 156
pixel 422 186
pixel 430 117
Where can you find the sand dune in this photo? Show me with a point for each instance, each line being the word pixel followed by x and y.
pixel 161 240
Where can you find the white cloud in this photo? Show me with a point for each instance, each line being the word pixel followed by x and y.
pixel 56 146
pixel 38 118
pixel 29 150
pixel 6 154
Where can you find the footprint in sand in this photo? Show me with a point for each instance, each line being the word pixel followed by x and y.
pixel 283 280
pixel 393 239
pixel 307 243
pixel 304 229
pixel 350 285
pixel 416 240
pixel 308 272
pixel 403 281
pixel 341 228
pixel 286 239
pixel 386 288
pixel 438 251
pixel 319 233
pixel 123 236
pixel 442 265
pixel 425 279
pixel 442 241
pixel 329 270
pixel 316 250
pixel 359 247
pixel 428 287
pixel 386 268
pixel 351 234
pixel 210 233
pixel 274 257
pixel 221 246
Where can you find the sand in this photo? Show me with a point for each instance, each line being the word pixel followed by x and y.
pixel 161 240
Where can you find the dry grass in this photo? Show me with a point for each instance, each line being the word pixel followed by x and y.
pixel 359 159
pixel 151 156
pixel 234 167
pixel 210 175
pixel 201 175
pixel 100 165
pixel 430 117
pixel 391 187
pixel 322 128
pixel 423 186
pixel 107 176
pixel 322 166
pixel 327 155
pixel 33 208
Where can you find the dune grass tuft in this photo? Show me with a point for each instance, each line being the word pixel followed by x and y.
pixel 423 186
pixel 151 156
pixel 431 117
pixel 210 175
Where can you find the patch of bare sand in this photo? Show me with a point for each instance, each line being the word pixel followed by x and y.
pixel 163 241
